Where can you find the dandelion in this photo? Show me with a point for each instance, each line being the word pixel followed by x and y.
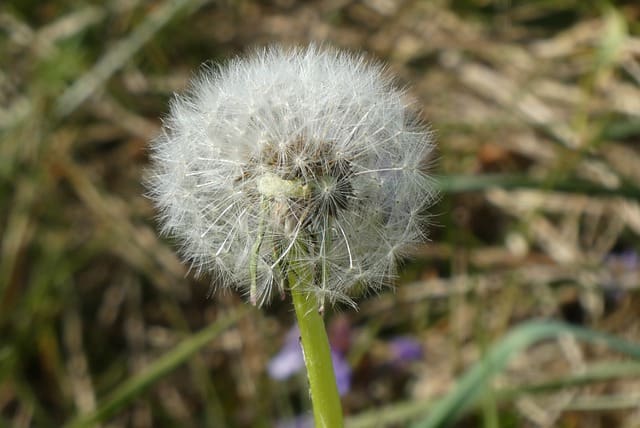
pixel 293 157
pixel 300 170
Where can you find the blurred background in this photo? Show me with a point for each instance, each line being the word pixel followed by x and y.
pixel 536 108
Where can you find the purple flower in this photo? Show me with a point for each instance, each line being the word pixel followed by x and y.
pixel 290 361
pixel 405 349
pixel 301 421
pixel 627 260
pixel 622 266
pixel 342 371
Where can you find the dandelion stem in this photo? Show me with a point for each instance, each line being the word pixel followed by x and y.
pixel 327 410
pixel 253 262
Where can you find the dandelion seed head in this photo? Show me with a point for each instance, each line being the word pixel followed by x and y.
pixel 293 156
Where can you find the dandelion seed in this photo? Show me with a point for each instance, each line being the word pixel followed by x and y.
pixel 305 156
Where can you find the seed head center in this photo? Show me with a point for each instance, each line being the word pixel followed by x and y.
pixel 272 186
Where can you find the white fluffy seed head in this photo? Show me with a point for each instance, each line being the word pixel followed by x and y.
pixel 293 157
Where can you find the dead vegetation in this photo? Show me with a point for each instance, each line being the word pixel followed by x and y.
pixel 543 95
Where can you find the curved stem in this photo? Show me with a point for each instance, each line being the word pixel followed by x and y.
pixel 327 410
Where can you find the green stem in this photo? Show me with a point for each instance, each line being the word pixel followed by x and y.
pixel 327 410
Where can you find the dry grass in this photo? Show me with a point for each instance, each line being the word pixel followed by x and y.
pixel 89 295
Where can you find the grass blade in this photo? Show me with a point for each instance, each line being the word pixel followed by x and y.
pixel 471 384
pixel 135 386
pixel 474 183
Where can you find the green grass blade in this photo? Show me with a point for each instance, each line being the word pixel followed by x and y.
pixel 595 373
pixel 474 183
pixel 401 412
pixel 472 383
pixel 135 386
